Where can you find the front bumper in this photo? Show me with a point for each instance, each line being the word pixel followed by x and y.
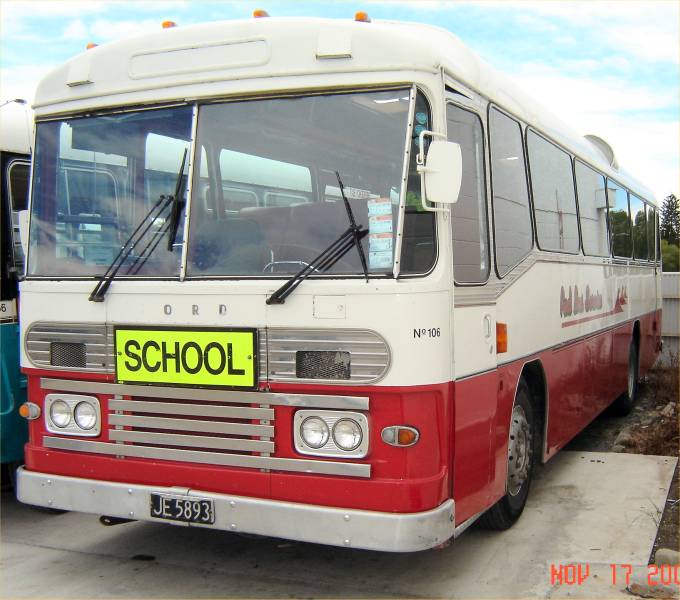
pixel 370 530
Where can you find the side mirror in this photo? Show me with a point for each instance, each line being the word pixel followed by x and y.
pixel 23 216
pixel 442 174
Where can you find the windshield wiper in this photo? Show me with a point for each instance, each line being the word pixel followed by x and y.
pixel 171 226
pixel 145 224
pixel 177 204
pixel 324 261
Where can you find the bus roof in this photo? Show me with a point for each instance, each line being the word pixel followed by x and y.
pixel 223 58
pixel 15 128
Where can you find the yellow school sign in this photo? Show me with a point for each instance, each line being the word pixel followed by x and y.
pixel 199 357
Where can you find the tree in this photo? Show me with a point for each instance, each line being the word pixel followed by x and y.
pixel 669 226
pixel 670 256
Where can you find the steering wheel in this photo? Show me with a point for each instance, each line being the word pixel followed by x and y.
pixel 304 256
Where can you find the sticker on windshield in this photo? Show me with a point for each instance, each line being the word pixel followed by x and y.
pixel 379 206
pixel 380 224
pixel 380 260
pixel 380 242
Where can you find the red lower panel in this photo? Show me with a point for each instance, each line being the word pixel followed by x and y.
pixel 402 479
pixel 583 378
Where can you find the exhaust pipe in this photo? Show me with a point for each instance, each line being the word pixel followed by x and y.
pixel 110 521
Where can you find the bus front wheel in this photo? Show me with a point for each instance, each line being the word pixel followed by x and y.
pixel 508 509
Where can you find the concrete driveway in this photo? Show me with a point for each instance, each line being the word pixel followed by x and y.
pixel 586 511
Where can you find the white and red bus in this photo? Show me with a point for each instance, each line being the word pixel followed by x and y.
pixel 333 281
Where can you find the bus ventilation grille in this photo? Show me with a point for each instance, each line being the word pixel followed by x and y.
pixel 322 365
pixel 64 354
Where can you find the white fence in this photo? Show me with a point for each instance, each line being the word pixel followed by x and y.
pixel 670 324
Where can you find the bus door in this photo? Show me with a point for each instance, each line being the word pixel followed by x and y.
pixel 474 318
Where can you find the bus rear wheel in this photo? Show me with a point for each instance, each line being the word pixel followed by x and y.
pixel 521 454
pixel 624 403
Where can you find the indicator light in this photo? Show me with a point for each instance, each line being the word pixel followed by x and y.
pixel 362 16
pixel 501 337
pixel 259 13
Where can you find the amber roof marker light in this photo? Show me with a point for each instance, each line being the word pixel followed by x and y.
pixel 168 24
pixel 362 16
pixel 91 45
pixel 258 13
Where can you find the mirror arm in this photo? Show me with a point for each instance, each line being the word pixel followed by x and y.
pixel 422 169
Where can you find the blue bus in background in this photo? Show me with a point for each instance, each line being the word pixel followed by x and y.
pixel 15 157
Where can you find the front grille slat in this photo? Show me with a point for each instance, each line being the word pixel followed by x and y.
pixel 191 441
pixel 192 425
pixel 172 408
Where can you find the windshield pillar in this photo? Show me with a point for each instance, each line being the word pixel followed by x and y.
pixel 404 184
pixel 189 194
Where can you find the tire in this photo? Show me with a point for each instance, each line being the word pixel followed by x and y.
pixel 624 403
pixel 521 458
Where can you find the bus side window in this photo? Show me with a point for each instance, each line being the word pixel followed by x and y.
pixel 552 186
pixel 592 210
pixel 512 220
pixel 619 220
pixel 639 222
pixel 469 218
pixel 651 219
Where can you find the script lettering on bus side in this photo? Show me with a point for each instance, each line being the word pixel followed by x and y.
pixel 576 302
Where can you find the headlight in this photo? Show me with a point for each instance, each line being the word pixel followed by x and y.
pixel 60 413
pixel 85 415
pixel 347 434
pixel 314 432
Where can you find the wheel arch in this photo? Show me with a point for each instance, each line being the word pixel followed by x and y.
pixel 534 375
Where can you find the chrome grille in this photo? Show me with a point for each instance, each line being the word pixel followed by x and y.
pixel 215 426
pixel 369 355
pixel 81 346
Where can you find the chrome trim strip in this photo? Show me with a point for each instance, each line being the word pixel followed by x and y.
pixel 317 467
pixel 396 266
pixel 367 529
pixel 191 425
pixel 207 395
pixel 192 441
pixel 171 408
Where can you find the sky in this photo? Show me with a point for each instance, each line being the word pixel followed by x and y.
pixel 607 67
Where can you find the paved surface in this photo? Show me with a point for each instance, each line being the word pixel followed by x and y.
pixel 593 509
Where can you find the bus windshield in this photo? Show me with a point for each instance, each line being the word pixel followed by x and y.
pixel 265 199
pixel 95 179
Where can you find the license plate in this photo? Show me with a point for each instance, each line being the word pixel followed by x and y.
pixel 181 508
pixel 225 358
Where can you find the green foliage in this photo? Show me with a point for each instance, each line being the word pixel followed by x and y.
pixel 669 216
pixel 670 255
pixel 413 202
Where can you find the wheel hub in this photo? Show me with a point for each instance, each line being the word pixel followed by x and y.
pixel 519 450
